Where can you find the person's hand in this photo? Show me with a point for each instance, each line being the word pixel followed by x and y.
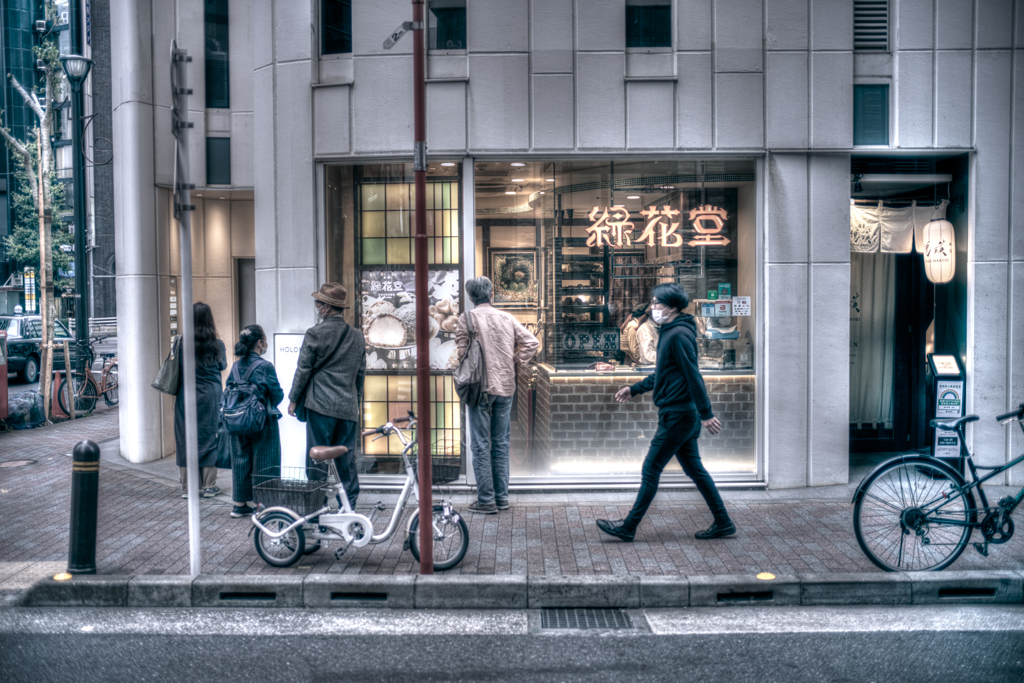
pixel 713 425
pixel 291 408
pixel 623 395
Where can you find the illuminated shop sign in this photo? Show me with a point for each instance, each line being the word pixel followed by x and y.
pixel 612 227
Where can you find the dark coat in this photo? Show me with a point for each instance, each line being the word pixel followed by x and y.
pixel 336 388
pixel 265 379
pixel 208 391
pixel 676 381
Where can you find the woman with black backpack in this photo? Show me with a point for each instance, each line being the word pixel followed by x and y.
pixel 257 452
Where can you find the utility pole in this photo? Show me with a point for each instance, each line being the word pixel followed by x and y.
pixel 419 164
pixel 79 200
pixel 183 212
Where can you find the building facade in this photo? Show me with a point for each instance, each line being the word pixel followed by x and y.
pixel 787 161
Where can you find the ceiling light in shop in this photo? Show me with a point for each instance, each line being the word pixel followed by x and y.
pixel 448 163
pixel 542 191
pixel 549 180
pixel 619 206
pixel 518 163
pixel 198 194
pixel 518 180
pixel 633 196
pixel 668 187
pixel 510 192
pixel 220 198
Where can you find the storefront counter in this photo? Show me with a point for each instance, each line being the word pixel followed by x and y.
pixel 578 429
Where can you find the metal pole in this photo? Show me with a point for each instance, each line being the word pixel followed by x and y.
pixel 422 325
pixel 81 272
pixel 183 211
pixel 85 486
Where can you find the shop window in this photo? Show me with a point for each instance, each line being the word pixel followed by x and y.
pixel 446 25
pixel 216 31
pixel 573 248
pixel 871 114
pixel 387 397
pixel 336 27
pixel 218 161
pixel 388 220
pixel 648 23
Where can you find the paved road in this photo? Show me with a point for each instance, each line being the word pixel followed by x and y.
pixel 976 643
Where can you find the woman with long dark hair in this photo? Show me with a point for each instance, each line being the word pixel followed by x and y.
pixel 258 453
pixel 211 360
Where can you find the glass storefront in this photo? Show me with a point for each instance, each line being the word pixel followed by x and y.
pixel 572 248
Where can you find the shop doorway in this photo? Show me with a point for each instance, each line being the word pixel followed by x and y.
pixel 897 315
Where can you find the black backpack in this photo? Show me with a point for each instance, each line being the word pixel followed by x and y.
pixel 242 408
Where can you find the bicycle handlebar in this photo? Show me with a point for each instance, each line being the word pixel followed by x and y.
pixel 1015 414
pixel 371 432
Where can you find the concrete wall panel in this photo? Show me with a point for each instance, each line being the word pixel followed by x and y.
pixel 995 24
pixel 553 111
pixel 601 105
pixel 375 21
pixel 382 84
pixel 739 35
pixel 786 124
pixel 243 243
pixel 648 106
pixel 601 24
pixel 829 422
pixel 955 24
pixel 832 99
pixel 163 147
pixel 242 152
pixel 953 99
pixel 446 116
pixel 991 365
pixel 499 102
pixel 294 285
pixel 165 19
pixel 914 99
pixel 196 148
pixel 264 172
pixel 693 105
pixel 163 33
pixel 831 25
pixel 262 24
pixel 552 36
pixel 828 194
pixel 295 196
pixel 134 52
pixel 787 24
pixel 241 56
pixel 1016 368
pixel 331 111
pixel 217 238
pixel 786 413
pixel 915 22
pixel 786 232
pixel 739 110
pixel 1017 181
pixel 268 304
pixel 992 138
pixel 498 25
pixel 693 24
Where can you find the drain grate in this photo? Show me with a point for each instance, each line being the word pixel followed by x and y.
pixel 17 463
pixel 578 618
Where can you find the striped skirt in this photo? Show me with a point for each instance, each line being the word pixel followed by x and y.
pixel 254 454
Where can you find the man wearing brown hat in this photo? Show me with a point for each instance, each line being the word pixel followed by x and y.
pixel 327 389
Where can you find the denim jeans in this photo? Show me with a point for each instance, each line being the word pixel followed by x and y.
pixel 490 429
pixel 676 436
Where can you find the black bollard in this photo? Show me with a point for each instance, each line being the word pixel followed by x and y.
pixel 85 486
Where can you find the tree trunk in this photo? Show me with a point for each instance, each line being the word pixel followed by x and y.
pixel 46 309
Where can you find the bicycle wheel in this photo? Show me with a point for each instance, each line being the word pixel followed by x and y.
pixel 110 395
pixel 451 538
pixel 899 522
pixel 283 551
pixel 85 391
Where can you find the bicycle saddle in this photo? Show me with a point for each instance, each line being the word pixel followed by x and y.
pixel 953 423
pixel 327 452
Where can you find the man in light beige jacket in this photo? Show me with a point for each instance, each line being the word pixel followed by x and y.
pixel 504 342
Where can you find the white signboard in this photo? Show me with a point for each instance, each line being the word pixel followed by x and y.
pixel 723 309
pixel 741 305
pixel 946 365
pixel 293 432
pixel 948 403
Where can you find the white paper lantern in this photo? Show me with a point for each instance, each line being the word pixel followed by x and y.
pixel 939 251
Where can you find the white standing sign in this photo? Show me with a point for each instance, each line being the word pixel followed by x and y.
pixel 948 403
pixel 293 432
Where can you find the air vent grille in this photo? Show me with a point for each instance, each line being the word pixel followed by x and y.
pixel 584 619
pixel 871 25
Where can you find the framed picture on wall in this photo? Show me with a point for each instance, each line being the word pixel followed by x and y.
pixel 516 277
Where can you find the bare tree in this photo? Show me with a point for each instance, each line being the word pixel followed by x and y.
pixel 36 159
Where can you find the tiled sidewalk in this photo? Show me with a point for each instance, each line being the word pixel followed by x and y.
pixel 143 530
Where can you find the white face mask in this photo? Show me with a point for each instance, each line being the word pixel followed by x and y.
pixel 658 315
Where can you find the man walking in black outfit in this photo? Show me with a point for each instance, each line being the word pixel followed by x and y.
pixel 683 406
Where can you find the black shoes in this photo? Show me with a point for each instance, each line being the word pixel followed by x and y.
pixel 717 530
pixel 475 506
pixel 617 529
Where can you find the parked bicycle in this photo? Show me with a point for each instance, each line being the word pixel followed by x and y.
pixel 84 386
pixel 292 509
pixel 915 512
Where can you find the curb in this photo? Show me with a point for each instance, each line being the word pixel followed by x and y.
pixel 480 591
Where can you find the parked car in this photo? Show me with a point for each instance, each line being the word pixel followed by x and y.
pixel 24 337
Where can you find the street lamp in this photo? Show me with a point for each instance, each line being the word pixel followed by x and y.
pixel 76 68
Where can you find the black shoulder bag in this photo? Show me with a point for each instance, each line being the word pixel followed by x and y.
pixel 301 413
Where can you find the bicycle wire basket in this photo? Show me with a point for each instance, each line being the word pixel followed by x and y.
pixel 301 489
pixel 443 470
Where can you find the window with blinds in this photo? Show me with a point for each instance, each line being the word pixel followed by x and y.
pixel 216 25
pixel 871 25
pixel 871 114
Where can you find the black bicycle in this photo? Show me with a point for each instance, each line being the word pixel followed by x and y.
pixel 916 513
